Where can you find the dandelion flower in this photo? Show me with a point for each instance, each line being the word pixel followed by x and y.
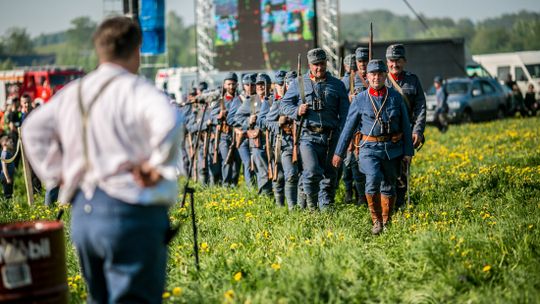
pixel 237 276
pixel 177 291
pixel 229 295
pixel 166 295
pixel 276 266
pixel 234 246
pixel 486 268
pixel 204 247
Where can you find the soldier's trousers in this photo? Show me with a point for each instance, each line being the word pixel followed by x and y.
pixel 264 184
pixel 229 172
pixel 245 156
pixel 214 169
pixel 290 171
pixel 381 173
pixel 401 187
pixel 352 177
pixel 319 176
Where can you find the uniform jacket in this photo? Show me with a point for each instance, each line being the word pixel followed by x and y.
pixel 410 84
pixel 335 102
pixel 361 116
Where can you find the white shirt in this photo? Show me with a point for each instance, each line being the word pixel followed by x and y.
pixel 130 122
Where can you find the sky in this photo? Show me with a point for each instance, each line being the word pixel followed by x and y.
pixel 50 16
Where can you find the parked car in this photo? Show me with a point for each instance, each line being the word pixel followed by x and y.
pixel 470 99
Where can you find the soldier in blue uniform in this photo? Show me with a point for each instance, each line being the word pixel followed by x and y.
pixel 323 115
pixel 409 86
pixel 251 117
pixel 381 115
pixel 242 144
pixel 284 172
pixel 201 168
pixel 221 113
pixel 441 109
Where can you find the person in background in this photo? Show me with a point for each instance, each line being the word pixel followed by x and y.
pixel 441 109
pixel 530 100
pixel 7 175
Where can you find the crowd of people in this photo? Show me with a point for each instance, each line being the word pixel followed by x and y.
pixel 289 137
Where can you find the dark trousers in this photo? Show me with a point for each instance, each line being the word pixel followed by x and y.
pixel 121 248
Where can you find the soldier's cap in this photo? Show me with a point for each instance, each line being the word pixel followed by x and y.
pixel 349 59
pixel 376 65
pixel 395 51
pixel 316 56
pixel 280 77
pixel 249 78
pixel 362 53
pixel 202 86
pixel 263 78
pixel 437 79
pixel 231 76
pixel 290 76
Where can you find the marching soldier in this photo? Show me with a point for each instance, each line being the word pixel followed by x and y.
pixel 241 144
pixel 381 115
pixel 409 86
pixel 221 113
pixel 201 160
pixel 318 101
pixel 250 116
pixel 275 147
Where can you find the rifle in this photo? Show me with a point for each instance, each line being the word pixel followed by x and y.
pixel 269 155
pixel 370 40
pixel 219 126
pixel 277 153
pixel 230 152
pixel 351 77
pixel 298 130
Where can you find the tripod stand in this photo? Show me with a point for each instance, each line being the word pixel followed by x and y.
pixel 191 191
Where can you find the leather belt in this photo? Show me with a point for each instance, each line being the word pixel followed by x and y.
pixel 383 138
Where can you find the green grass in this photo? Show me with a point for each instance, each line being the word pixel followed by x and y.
pixel 471 235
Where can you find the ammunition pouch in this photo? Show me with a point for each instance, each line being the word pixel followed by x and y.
pixel 255 136
pixel 239 134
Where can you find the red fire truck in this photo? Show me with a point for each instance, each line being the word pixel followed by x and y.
pixel 38 82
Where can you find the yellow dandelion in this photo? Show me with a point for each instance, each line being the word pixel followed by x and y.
pixel 177 291
pixel 486 268
pixel 229 295
pixel 204 247
pixel 530 226
pixel 276 266
pixel 237 276
pixel 166 295
pixel 234 246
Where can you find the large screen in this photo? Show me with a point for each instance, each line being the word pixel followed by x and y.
pixel 262 34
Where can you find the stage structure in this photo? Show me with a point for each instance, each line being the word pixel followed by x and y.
pixel 328 15
pixel 263 35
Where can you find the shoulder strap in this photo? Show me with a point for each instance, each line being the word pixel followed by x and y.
pixel 85 115
pixel 398 88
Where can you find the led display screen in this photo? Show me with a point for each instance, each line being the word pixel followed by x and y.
pixel 262 34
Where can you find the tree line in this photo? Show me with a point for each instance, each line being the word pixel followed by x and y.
pixel 509 32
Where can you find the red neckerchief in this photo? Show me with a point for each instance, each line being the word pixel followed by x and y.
pixel 313 77
pixel 377 93
pixel 397 77
pixel 277 97
pixel 228 97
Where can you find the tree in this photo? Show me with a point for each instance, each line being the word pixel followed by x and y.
pixel 180 42
pixel 17 42
pixel 79 50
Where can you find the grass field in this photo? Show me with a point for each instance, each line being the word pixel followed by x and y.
pixel 472 234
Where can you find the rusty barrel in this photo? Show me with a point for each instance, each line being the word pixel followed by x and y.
pixel 33 263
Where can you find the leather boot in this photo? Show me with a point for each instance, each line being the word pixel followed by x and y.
pixel 374 204
pixel 348 197
pixel 387 204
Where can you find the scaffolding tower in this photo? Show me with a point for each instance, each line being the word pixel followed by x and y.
pixel 328 25
pixel 204 22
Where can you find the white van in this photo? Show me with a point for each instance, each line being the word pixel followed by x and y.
pixel 523 67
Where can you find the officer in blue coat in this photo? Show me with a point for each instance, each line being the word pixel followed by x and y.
pixel 322 112
pixel 241 142
pixel 230 171
pixel 381 115
pixel 251 115
pixel 409 86
pixel 352 177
